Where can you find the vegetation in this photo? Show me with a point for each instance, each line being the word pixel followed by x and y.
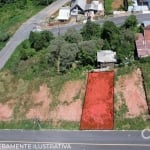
pixel 107 5
pixel 125 4
pixel 54 60
pixel 14 13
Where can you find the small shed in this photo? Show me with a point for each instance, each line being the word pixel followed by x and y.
pixel 64 14
pixel 106 58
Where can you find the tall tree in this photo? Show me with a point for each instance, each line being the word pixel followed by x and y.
pixel 62 54
pixel 39 40
pixel 88 50
pixel 91 30
pixel 73 36
pixel 125 4
pixel 131 22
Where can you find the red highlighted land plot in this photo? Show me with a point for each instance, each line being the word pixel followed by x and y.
pixel 98 109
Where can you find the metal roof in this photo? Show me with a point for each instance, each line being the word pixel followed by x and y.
pixel 143 46
pixel 94 6
pixel 80 3
pixel 64 13
pixel 106 56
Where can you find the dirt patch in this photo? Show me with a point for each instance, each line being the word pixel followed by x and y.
pixel 70 97
pixel 98 104
pixel 68 109
pixel 116 4
pixel 129 89
pixel 41 100
pixel 70 91
pixel 71 112
pixel 5 112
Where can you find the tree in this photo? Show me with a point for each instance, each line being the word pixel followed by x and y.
pixel 125 4
pixel 87 52
pixel 109 29
pixel 39 40
pixel 68 56
pixel 126 46
pixel 25 51
pixel 73 36
pixel 131 22
pixel 110 34
pixel 91 30
pixel 62 54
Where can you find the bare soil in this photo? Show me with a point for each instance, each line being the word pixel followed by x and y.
pixel 42 100
pixel 116 4
pixel 68 109
pixel 6 112
pixel 70 91
pixel 129 89
pixel 71 112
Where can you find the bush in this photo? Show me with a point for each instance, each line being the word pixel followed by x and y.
pixel 40 40
pixel 4 37
pixel 26 53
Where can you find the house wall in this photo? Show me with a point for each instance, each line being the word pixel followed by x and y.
pixel 147 34
pixel 104 65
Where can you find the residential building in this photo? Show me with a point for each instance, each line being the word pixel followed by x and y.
pixel 143 43
pixel 81 7
pixel 139 5
pixel 106 58
pixel 77 7
pixel 64 14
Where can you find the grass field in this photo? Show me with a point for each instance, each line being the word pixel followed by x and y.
pixel 12 16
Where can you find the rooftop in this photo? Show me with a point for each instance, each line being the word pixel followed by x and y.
pixel 64 13
pixel 106 56
pixel 143 46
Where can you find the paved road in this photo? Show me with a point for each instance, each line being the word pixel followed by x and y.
pixel 23 32
pixel 79 140
pixel 116 20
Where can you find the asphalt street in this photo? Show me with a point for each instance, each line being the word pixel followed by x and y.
pixel 23 32
pixel 78 140
pixel 117 20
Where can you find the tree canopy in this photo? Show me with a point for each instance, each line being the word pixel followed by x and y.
pixel 39 40
pixel 91 30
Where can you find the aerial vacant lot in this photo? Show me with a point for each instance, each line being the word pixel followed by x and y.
pixel 98 106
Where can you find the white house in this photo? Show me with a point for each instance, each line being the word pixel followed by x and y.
pixel 64 14
pixel 80 6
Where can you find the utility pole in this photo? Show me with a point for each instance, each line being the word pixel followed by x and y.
pixel 58 28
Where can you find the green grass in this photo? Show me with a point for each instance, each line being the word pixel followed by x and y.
pixel 33 125
pixel 108 8
pixel 23 124
pixel 131 124
pixel 11 17
pixel 146 75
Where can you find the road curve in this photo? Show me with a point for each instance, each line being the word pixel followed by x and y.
pixel 79 140
pixel 23 32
